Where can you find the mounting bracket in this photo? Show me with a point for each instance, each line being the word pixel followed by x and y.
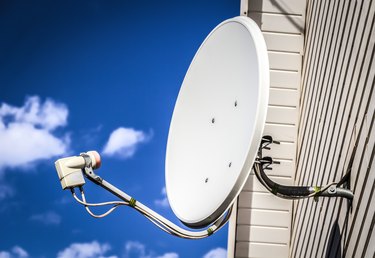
pixel 292 192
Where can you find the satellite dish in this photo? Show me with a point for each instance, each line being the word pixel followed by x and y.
pixel 214 138
pixel 218 122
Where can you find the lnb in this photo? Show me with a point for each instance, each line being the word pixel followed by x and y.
pixel 69 169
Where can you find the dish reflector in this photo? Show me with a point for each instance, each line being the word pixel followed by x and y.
pixel 218 122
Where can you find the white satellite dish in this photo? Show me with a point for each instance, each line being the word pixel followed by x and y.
pixel 218 122
pixel 215 138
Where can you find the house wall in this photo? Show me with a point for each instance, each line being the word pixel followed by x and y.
pixel 261 224
pixel 336 133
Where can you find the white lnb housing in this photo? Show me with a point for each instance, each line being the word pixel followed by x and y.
pixel 69 169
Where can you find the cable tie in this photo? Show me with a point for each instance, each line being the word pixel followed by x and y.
pixel 317 189
pixel 132 202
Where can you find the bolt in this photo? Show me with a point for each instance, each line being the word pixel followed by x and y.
pixel 206 180
pixel 332 190
pixel 213 120
pixel 230 164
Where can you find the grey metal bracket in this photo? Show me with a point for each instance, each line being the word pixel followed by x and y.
pixel 293 192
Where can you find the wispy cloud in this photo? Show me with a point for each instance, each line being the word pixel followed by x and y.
pixel 137 249
pixel 216 253
pixel 16 252
pixel 5 191
pixel 163 202
pixel 20 252
pixel 27 132
pixel 168 255
pixel 123 142
pixel 92 249
pixel 47 218
pixel 64 200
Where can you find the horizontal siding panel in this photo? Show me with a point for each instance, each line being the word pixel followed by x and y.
pixel 285 168
pixel 261 250
pixel 263 201
pixel 283 97
pixel 278 22
pixel 283 42
pixel 284 150
pixel 285 133
pixel 253 184
pixel 263 217
pixel 263 220
pixel 280 6
pixel 285 79
pixel 262 234
pixel 282 115
pixel 284 61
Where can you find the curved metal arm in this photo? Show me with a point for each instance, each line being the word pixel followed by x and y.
pixel 154 217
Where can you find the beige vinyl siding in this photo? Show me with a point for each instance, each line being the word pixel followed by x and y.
pixel 263 221
pixel 336 133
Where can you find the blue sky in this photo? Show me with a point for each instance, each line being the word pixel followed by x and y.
pixel 73 76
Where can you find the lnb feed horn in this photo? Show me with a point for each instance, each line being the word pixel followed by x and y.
pixel 69 169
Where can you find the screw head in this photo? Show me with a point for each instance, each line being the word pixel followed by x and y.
pixel 332 189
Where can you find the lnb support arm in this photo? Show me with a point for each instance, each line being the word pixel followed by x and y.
pixel 163 223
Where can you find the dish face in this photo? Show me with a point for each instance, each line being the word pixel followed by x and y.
pixel 218 122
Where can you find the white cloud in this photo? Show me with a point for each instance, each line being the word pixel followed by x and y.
pixel 134 247
pixel 20 252
pixel 5 191
pixel 4 254
pixel 47 218
pixel 16 252
pixel 123 142
pixel 137 249
pixel 64 200
pixel 163 202
pixel 27 132
pixel 216 253
pixel 86 250
pixel 168 255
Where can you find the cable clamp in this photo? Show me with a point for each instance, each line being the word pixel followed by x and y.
pixel 87 159
pixel 266 141
pixel 89 173
pixel 266 162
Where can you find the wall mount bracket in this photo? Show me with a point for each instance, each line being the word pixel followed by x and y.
pixel 263 163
